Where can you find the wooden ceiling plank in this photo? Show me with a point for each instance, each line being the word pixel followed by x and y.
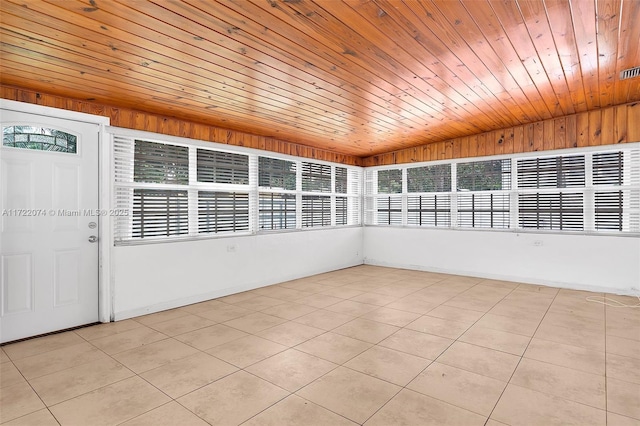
pixel 584 25
pixel 537 24
pixel 558 13
pixel 515 29
pixel 628 48
pixel 608 19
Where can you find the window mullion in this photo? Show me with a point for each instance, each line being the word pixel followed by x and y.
pixel 589 195
pixel 454 195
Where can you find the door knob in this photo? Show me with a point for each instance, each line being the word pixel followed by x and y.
pixel 93 239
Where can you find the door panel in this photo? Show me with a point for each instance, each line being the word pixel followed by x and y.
pixel 49 276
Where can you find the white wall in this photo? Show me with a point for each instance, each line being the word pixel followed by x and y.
pixel 154 277
pixel 589 262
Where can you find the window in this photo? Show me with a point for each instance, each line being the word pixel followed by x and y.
pixel 492 175
pixel 277 211
pixel 577 191
pixel 429 178
pixel 222 167
pixel 316 211
pixel 160 163
pixel 341 211
pixel 39 139
pixel 342 180
pixel 276 174
pixel 222 212
pixel 159 213
pixel 316 177
pixel 390 181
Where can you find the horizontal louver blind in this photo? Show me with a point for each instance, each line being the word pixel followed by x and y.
pixel 159 213
pixel 429 178
pixel 483 210
pixel 277 211
pixel 222 212
pixel 560 211
pixel 222 167
pixel 608 168
pixel 276 174
pixel 491 175
pixel 316 177
pixel 161 163
pixel 429 210
pixel 552 172
pixel 341 211
pixel 609 210
pixel 342 180
pixel 316 211
pixel 389 210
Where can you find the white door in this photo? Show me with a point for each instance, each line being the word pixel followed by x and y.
pixel 48 208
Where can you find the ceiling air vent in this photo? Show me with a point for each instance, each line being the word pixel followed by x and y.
pixel 630 73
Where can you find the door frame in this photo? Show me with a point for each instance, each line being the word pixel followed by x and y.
pixel 105 236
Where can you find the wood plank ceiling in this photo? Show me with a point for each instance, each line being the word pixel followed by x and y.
pixel 355 77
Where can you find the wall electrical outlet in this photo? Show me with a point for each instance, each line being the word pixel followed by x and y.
pixel 231 248
pixel 537 243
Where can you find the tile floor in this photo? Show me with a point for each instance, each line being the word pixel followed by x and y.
pixel 364 345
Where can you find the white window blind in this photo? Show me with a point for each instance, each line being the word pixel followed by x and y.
pixel 222 212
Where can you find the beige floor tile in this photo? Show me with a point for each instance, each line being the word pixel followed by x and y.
pixel 154 355
pixel 285 294
pixel 413 304
pixel 563 382
pixel 566 356
pixel 348 393
pixel 107 329
pixel 224 313
pixel 18 400
pixel 3 357
pixel 111 404
pixel 496 339
pixel 540 289
pixel 509 285
pixel 128 340
pixel 582 308
pixel 614 419
pixel 513 310
pixel 334 347
pixel 185 375
pixel 388 364
pixel 257 395
pixel 160 316
pixel 374 299
pixel 9 375
pixel 289 311
pixel 207 338
pixel 342 292
pixel 255 322
pixel 574 321
pixel 349 307
pixel 246 351
pixel 42 344
pixel 239 297
pixel 391 316
pixel 39 418
pixel 519 405
pixel 624 347
pixel 259 303
pixel 439 327
pixel 461 388
pixel 295 411
pixel 58 359
pixel 66 384
pixel 471 303
pixel 395 291
pixel 492 422
pixel 319 300
pixel 171 414
pixel 587 339
pixel 521 326
pixel 623 368
pixel 208 305
pixel 623 398
pixel 368 331
pixel 291 369
pixel 290 333
pixel 325 320
pixel 181 325
pixel 416 343
pixel 484 361
pixel 455 314
pixel 412 408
